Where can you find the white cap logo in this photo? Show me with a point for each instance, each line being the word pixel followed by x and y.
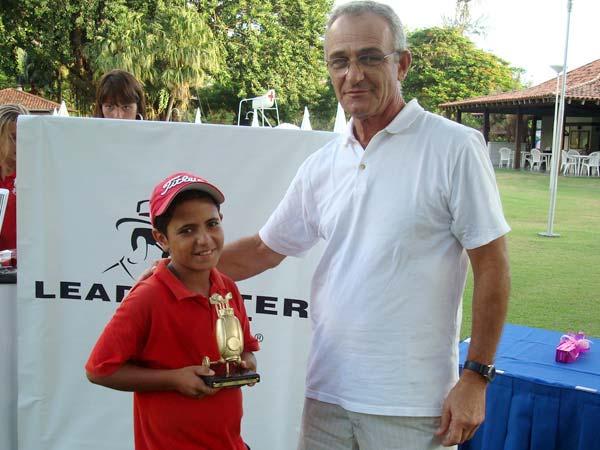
pixel 177 181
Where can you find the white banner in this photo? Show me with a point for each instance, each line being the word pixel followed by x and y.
pixel 83 186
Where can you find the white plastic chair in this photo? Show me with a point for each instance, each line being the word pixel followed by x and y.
pixel 505 157
pixel 593 162
pixel 535 158
pixel 575 160
pixel 567 163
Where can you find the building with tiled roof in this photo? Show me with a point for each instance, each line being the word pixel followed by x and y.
pixel 535 105
pixel 34 103
pixel 583 86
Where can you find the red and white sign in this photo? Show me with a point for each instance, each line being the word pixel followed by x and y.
pixel 264 101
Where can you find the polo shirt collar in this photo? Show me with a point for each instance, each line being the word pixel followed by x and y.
pixel 405 117
pixel 179 290
pixel 403 120
pixel 348 133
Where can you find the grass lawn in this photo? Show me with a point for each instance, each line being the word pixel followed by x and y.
pixel 555 281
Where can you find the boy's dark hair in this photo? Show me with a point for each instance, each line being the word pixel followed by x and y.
pixel 162 222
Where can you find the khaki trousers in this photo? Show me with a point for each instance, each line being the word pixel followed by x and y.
pixel 326 426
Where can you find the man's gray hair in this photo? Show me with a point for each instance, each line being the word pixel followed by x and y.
pixel 357 8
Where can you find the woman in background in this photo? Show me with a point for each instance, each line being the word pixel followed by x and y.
pixel 8 171
pixel 120 96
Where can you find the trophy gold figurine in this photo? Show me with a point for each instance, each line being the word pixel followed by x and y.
pixel 230 341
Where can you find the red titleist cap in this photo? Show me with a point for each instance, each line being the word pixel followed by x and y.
pixel 165 191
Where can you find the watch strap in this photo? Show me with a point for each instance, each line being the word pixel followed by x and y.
pixel 485 370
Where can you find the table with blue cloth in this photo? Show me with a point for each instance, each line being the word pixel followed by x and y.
pixel 536 403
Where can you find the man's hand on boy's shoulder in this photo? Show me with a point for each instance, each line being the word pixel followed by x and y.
pixel 149 271
pixel 187 381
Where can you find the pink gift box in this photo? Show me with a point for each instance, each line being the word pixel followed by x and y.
pixel 571 345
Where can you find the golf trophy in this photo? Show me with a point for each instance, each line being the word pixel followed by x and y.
pixel 230 341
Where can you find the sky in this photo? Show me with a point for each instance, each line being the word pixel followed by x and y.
pixel 529 34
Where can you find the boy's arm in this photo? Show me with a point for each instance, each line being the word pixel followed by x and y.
pixel 130 377
pixel 248 361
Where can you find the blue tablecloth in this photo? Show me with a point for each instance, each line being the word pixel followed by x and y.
pixel 537 403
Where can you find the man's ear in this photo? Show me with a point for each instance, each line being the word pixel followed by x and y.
pixel 161 240
pixel 404 61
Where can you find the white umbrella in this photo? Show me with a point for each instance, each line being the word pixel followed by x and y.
pixel 306 120
pixel 54 112
pixel 340 120
pixel 198 116
pixel 62 111
pixel 255 119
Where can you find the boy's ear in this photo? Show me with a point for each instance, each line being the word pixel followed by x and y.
pixel 161 239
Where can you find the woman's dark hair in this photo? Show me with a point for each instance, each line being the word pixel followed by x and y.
pixel 119 86
pixel 162 222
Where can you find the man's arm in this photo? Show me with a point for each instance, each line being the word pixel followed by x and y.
pixel 464 408
pixel 247 257
pixel 491 274
pixel 133 378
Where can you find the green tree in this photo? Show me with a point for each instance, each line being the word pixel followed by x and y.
pixel 269 45
pixel 168 46
pixel 71 42
pixel 218 51
pixel 448 66
pixel 6 58
pixel 53 35
pixel 32 72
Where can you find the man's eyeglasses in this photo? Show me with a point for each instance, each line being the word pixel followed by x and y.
pixel 109 107
pixel 340 66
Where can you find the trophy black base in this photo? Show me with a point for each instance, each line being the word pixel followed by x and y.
pixel 231 380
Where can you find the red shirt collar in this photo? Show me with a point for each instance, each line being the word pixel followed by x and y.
pixel 9 180
pixel 179 290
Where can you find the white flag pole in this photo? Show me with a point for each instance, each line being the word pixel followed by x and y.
pixel 558 137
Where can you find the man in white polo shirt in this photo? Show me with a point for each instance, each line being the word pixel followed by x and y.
pixel 403 200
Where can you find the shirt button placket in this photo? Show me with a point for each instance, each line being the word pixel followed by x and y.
pixel 361 181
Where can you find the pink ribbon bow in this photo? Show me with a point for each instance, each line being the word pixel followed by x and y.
pixel 571 345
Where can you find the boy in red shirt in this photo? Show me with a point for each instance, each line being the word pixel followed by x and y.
pixel 156 340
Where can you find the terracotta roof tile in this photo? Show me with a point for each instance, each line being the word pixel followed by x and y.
pixel 583 83
pixel 29 101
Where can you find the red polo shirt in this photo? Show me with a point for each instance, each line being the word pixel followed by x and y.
pixel 8 234
pixel 163 325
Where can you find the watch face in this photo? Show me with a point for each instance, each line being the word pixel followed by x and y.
pixel 491 373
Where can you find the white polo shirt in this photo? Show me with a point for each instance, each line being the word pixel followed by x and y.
pixel 396 218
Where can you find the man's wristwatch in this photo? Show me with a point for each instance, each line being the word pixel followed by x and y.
pixel 487 371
